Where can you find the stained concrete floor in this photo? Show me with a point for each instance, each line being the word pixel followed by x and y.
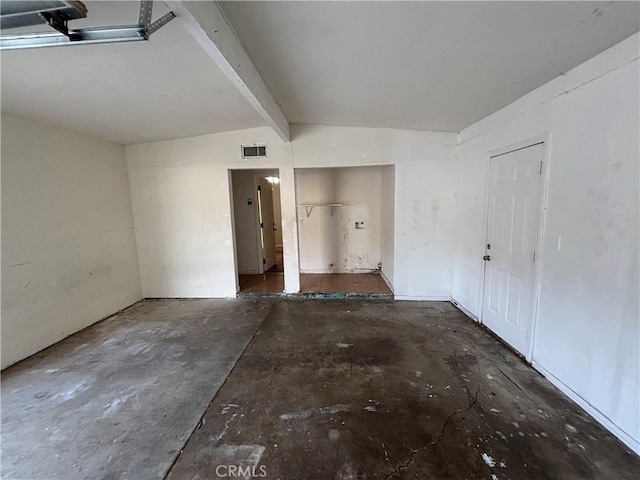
pixel 121 398
pixel 297 389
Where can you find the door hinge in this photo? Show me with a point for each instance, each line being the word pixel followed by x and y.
pixel 259 188
pixel 262 225
pixel 533 256
pixel 540 172
pixel 264 261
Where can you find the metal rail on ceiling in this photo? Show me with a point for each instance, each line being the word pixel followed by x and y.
pixel 57 14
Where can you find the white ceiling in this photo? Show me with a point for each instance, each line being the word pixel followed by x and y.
pixel 129 92
pixel 418 65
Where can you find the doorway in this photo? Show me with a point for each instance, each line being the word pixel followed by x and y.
pixel 345 229
pixel 513 239
pixel 258 231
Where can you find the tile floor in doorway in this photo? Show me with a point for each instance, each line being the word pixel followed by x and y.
pixel 348 283
pixel 260 284
pixel 343 283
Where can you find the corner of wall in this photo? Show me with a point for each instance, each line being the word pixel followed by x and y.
pixel 68 229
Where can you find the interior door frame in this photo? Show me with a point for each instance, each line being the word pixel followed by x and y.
pixel 257 175
pixel 256 219
pixel 545 139
pixel 256 215
pixel 264 172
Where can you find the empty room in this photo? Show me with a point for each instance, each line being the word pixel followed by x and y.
pixel 320 240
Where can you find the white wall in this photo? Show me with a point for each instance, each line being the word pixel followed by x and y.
pixel 68 248
pixel 387 222
pixel 586 333
pixel 181 205
pixel 328 239
pixel 245 222
pixel 318 233
pixel 277 213
pixel 424 194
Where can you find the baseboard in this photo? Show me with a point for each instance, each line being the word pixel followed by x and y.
pixel 386 280
pixel 327 272
pixel 459 306
pixel 422 299
pixel 602 419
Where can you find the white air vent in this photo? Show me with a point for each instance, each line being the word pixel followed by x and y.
pixel 254 151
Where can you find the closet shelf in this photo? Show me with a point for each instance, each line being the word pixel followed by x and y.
pixel 308 207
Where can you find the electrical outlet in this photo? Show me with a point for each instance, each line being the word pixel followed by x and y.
pixel 359 225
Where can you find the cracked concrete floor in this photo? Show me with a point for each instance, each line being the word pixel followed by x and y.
pixel 389 390
pixel 325 389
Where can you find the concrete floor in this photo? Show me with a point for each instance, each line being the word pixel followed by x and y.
pixel 121 398
pixel 325 389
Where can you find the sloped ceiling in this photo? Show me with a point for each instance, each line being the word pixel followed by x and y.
pixel 417 65
pixel 129 92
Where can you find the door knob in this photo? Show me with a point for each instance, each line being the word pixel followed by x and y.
pixel 486 258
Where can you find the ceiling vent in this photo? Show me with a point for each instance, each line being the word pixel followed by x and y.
pixel 254 151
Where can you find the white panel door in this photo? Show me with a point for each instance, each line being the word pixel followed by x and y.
pixel 513 229
pixel 267 225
